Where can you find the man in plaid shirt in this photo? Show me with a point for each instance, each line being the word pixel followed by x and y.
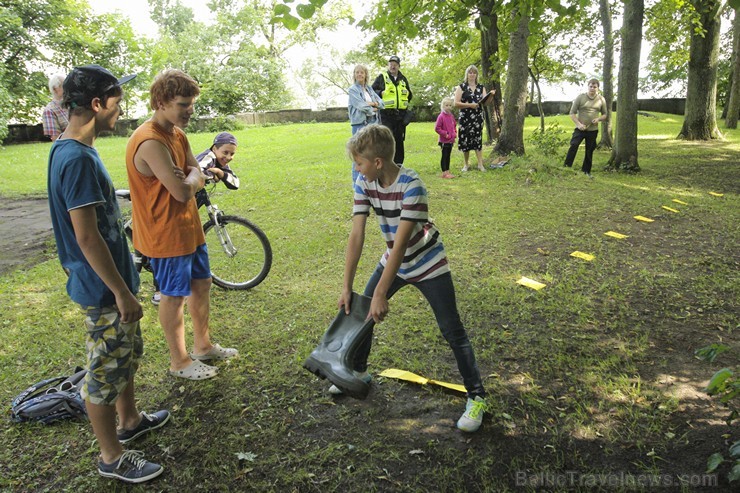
pixel 55 117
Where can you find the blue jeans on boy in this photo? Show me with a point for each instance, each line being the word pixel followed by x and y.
pixel 440 293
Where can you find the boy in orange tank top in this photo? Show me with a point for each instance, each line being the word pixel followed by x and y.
pixel 164 178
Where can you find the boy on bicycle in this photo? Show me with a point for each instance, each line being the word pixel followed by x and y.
pixel 164 178
pixel 102 279
pixel 415 255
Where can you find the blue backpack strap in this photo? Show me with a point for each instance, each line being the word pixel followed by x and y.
pixel 35 389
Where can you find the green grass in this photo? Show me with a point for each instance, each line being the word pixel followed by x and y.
pixel 592 374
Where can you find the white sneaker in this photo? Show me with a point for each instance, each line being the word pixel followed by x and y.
pixel 364 376
pixel 472 418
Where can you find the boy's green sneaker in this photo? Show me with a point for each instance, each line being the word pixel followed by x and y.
pixel 473 416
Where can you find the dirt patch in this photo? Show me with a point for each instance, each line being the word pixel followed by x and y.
pixel 25 232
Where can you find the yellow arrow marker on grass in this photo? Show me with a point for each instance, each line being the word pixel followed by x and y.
pixel 669 208
pixel 616 235
pixel 717 194
pixel 414 378
pixel 585 256
pixel 680 202
pixel 530 283
pixel 644 219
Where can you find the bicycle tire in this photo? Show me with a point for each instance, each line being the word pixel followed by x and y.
pixel 250 263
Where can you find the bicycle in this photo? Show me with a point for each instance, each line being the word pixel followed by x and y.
pixel 238 250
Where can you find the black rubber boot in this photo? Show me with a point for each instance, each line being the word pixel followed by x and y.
pixel 334 356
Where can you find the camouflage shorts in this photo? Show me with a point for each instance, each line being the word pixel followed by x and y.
pixel 113 353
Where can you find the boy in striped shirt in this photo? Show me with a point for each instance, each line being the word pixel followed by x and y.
pixel 414 255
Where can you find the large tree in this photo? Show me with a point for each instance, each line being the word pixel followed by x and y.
pixel 511 139
pixel 733 104
pixel 605 14
pixel 624 153
pixel 700 117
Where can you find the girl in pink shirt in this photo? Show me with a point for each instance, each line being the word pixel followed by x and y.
pixel 446 128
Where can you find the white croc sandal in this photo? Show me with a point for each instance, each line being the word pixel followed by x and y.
pixel 196 371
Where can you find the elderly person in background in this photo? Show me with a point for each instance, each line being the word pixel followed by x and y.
pixel 468 96
pixel 55 118
pixel 363 105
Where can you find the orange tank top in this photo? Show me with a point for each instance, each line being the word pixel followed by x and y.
pixel 163 226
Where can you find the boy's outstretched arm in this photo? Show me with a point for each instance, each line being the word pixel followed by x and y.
pixel 379 305
pixel 97 254
pixel 354 252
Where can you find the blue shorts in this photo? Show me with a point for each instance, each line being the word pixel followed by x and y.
pixel 174 274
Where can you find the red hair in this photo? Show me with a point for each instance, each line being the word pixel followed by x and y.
pixel 170 84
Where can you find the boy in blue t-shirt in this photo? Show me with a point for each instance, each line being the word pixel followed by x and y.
pixel 415 255
pixel 92 247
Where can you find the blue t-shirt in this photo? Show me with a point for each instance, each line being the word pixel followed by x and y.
pixel 77 178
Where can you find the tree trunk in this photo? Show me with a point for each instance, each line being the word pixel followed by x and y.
pixel 624 153
pixel 511 139
pixel 536 82
pixel 607 73
pixel 733 103
pixel 700 117
pixel 489 55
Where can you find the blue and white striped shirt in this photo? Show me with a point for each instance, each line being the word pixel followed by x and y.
pixel 405 199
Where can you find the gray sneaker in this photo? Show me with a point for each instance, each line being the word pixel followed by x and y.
pixel 130 468
pixel 149 422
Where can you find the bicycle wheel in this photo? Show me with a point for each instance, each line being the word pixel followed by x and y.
pixel 238 251
pixel 139 260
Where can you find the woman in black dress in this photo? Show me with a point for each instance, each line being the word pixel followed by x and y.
pixel 470 125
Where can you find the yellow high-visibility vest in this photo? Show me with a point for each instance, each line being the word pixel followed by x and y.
pixel 395 97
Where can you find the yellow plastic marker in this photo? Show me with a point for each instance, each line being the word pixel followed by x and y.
pixel 530 283
pixel 717 194
pixel 616 235
pixel 585 256
pixel 669 208
pixel 644 219
pixel 414 378
pixel 680 202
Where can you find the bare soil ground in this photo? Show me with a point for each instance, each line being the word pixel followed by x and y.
pixel 25 232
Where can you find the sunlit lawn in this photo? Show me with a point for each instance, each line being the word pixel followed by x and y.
pixel 575 371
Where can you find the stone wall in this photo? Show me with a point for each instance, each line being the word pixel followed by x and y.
pixel 34 133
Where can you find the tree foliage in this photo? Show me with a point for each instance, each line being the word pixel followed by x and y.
pixel 42 37
pixel 668 29
pixel 235 73
pixel 32 30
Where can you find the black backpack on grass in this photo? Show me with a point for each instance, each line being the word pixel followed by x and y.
pixel 51 400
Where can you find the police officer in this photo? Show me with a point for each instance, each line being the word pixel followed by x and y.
pixel 393 88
